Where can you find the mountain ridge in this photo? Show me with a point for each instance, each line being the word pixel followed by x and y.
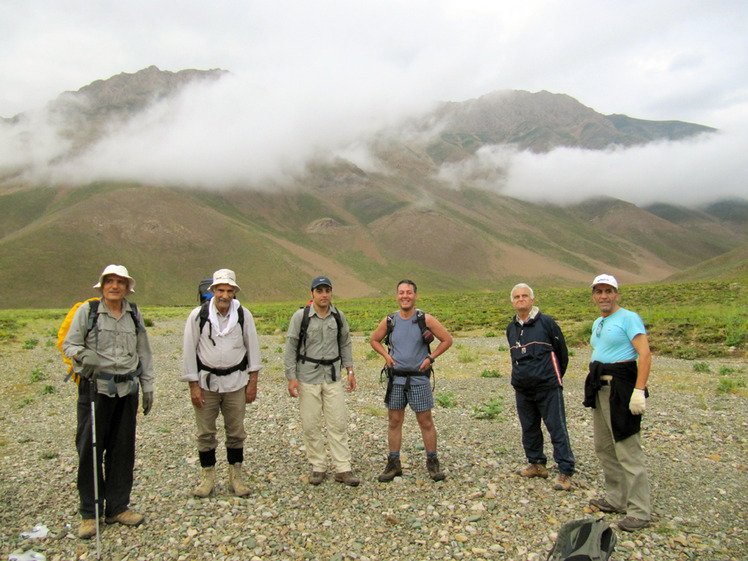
pixel 366 229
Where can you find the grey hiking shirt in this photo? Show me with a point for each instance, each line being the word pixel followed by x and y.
pixel 121 346
pixel 321 343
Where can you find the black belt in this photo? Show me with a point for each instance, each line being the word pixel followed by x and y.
pixel 392 372
pixel 222 371
pixel 324 362
pixel 113 379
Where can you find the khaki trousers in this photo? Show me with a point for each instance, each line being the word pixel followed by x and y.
pixel 626 483
pixel 232 405
pixel 318 402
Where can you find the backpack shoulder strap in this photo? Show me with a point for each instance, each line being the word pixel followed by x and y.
pixel 302 330
pixel 421 319
pixel 339 322
pixel 93 314
pixel 390 327
pixel 135 313
pixel 240 313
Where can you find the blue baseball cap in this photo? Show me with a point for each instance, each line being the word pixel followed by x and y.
pixel 319 281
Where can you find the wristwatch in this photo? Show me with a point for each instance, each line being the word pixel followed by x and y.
pixel 431 359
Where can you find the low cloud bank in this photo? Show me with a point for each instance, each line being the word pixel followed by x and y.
pixel 247 133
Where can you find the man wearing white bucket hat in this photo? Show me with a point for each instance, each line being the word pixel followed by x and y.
pixel 616 389
pixel 221 364
pixel 110 352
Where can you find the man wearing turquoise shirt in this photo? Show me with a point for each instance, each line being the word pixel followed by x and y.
pixel 616 388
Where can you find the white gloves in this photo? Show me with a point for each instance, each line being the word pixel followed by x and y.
pixel 638 402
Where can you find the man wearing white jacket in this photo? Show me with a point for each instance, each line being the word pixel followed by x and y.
pixel 221 364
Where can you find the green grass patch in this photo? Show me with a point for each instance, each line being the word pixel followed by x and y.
pixel 694 320
pixel 490 374
pixel 490 410
pixel 466 355
pixel 37 375
pixel 702 367
pixel 730 385
pixel 446 399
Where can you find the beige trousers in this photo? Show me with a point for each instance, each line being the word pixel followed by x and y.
pixel 232 405
pixel 626 483
pixel 318 402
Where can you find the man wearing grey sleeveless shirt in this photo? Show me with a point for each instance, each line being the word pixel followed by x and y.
pixel 408 364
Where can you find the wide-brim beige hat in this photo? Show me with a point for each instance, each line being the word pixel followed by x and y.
pixel 120 271
pixel 224 276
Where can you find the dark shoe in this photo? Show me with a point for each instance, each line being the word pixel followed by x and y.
pixel 631 524
pixel 605 506
pixel 128 518
pixel 534 470
pixel 432 464
pixel 393 470
pixel 317 477
pixel 563 482
pixel 348 478
pixel 87 529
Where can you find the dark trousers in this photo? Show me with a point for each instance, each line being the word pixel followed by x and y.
pixel 115 444
pixel 548 405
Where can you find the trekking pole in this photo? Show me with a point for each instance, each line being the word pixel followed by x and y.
pixel 92 392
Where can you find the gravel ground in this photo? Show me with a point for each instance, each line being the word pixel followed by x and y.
pixel 695 438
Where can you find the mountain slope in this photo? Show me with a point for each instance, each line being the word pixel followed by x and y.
pixel 366 229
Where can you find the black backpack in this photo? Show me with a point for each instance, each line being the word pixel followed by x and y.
pixel 203 290
pixel 302 340
pixel 305 325
pixel 420 318
pixel 584 540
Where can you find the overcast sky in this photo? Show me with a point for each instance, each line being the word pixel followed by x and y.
pixel 312 77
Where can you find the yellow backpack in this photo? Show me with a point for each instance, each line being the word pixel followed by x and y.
pixel 63 332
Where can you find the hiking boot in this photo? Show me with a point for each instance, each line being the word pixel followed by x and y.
pixel 605 506
pixel 432 464
pixel 317 477
pixel 207 483
pixel 392 470
pixel 87 529
pixel 534 470
pixel 128 518
pixel 631 524
pixel 235 480
pixel 348 478
pixel 563 482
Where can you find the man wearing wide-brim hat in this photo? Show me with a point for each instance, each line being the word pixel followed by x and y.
pixel 112 357
pixel 221 364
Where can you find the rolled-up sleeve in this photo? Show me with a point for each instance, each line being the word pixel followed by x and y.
pixel 292 341
pixel 189 348
pixel 252 342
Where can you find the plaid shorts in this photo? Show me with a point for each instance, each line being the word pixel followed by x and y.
pixel 419 397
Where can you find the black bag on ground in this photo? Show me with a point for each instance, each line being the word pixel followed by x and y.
pixel 584 540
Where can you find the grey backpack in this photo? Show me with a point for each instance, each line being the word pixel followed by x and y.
pixel 584 540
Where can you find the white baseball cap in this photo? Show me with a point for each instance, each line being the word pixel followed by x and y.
pixel 605 279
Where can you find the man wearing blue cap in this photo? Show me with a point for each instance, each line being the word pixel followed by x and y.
pixel 318 343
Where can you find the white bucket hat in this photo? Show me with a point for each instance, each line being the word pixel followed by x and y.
pixel 225 276
pixel 120 271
